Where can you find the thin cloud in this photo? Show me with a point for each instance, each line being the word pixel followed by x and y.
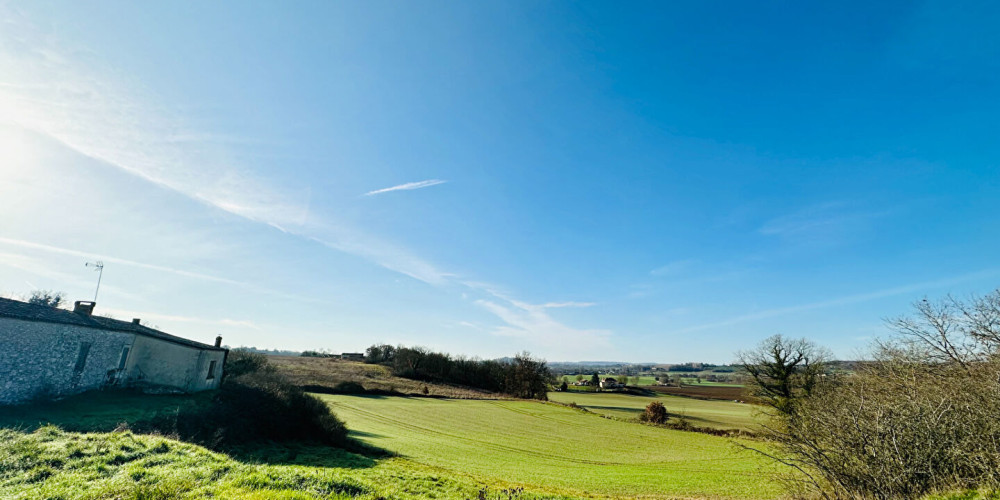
pixel 841 301
pixel 92 256
pixel 41 270
pixel 675 267
pixel 407 187
pixel 531 322
pixel 556 305
pixel 820 219
pixel 172 318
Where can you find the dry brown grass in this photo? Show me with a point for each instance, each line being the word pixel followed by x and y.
pixel 325 374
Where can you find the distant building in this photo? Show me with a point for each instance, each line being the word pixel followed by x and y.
pixel 353 356
pixel 47 352
pixel 610 383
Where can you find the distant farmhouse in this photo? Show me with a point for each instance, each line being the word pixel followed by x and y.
pixel 353 356
pixel 47 352
pixel 610 383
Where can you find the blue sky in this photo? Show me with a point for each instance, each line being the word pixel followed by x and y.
pixel 581 180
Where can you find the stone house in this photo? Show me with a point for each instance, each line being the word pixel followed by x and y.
pixel 47 352
pixel 610 383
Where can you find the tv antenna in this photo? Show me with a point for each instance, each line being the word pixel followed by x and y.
pixel 99 267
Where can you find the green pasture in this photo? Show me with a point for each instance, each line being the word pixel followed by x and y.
pixel 50 463
pixel 702 413
pixel 555 449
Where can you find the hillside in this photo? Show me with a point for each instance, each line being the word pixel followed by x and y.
pixel 444 448
pixel 714 414
pixel 548 447
pixel 51 463
pixel 332 375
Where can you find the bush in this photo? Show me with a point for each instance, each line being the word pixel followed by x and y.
pixel 655 413
pixel 242 361
pixel 348 387
pixel 254 403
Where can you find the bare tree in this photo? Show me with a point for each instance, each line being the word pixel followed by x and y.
pixel 782 370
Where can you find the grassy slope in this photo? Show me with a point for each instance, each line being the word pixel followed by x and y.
pixel 550 447
pixel 702 413
pixel 51 463
pixel 328 372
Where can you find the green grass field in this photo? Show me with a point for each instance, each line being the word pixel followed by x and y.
pixel 446 448
pixel 54 464
pixel 708 383
pixel 555 449
pixel 701 413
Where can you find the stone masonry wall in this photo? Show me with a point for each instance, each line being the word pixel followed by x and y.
pixel 40 360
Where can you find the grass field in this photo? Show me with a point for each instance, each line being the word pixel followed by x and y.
pixel 701 413
pixel 707 383
pixel 54 464
pixel 555 449
pixel 448 449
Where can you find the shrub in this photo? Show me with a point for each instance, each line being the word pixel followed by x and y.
pixel 254 403
pixel 242 361
pixel 348 387
pixel 655 413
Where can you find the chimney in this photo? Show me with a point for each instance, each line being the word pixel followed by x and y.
pixel 218 341
pixel 135 321
pixel 84 307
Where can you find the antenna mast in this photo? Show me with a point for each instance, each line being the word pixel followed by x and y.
pixel 99 267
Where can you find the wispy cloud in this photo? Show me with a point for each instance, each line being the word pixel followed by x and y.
pixel 407 187
pixel 846 300
pixel 822 218
pixel 42 269
pixel 172 318
pixel 93 256
pixel 533 323
pixel 557 305
pixel 675 267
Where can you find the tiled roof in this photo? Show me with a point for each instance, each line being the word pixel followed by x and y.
pixel 33 312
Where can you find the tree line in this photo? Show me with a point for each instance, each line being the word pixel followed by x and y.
pixel 522 376
pixel 922 416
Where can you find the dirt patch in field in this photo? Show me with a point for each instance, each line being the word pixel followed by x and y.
pixel 704 392
pixel 337 376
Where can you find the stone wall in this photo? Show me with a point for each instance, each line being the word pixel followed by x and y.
pixel 44 360
pixel 155 362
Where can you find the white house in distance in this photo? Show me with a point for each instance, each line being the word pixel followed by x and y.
pixel 610 383
pixel 47 352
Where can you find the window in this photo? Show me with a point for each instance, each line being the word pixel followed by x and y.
pixel 81 357
pixel 121 362
pixel 211 370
